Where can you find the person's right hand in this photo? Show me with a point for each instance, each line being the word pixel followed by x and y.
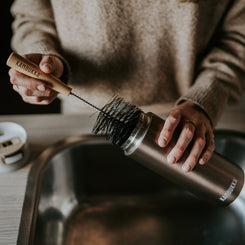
pixel 32 90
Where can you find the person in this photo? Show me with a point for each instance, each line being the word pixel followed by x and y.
pixel 189 54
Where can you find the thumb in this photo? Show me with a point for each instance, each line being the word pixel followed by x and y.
pixel 51 64
pixel 47 64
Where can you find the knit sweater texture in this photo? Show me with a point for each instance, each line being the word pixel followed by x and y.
pixel 147 51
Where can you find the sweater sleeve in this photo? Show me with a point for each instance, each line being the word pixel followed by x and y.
pixel 222 71
pixel 34 29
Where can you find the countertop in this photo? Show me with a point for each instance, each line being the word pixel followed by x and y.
pixel 44 130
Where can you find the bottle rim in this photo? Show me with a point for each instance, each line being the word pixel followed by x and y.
pixel 138 134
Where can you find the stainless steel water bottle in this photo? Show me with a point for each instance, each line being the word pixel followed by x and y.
pixel 219 181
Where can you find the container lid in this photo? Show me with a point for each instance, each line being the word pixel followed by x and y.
pixel 14 151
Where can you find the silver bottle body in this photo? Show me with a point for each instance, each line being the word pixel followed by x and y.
pixel 218 181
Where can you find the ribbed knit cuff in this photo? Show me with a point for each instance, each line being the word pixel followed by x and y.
pixel 209 93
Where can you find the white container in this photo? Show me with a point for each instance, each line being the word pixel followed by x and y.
pixel 14 150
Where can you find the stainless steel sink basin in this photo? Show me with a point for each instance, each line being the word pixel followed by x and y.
pixel 85 191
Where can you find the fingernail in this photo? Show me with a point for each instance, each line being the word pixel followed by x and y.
pixel 171 159
pixel 202 160
pixel 47 65
pixel 41 88
pixel 162 142
pixel 186 168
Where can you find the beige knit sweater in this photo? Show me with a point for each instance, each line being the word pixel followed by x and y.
pixel 147 51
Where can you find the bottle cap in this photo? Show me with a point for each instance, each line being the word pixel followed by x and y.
pixel 14 150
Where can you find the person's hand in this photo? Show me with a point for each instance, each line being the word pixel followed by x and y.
pixel 196 132
pixel 32 90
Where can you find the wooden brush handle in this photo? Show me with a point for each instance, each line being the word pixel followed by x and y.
pixel 31 69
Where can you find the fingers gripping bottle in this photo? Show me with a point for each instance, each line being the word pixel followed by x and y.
pixel 218 181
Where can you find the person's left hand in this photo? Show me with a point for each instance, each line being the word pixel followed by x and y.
pixel 196 130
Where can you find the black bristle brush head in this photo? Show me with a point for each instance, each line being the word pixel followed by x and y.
pixel 117 120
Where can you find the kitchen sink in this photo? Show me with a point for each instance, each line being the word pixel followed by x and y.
pixel 83 190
